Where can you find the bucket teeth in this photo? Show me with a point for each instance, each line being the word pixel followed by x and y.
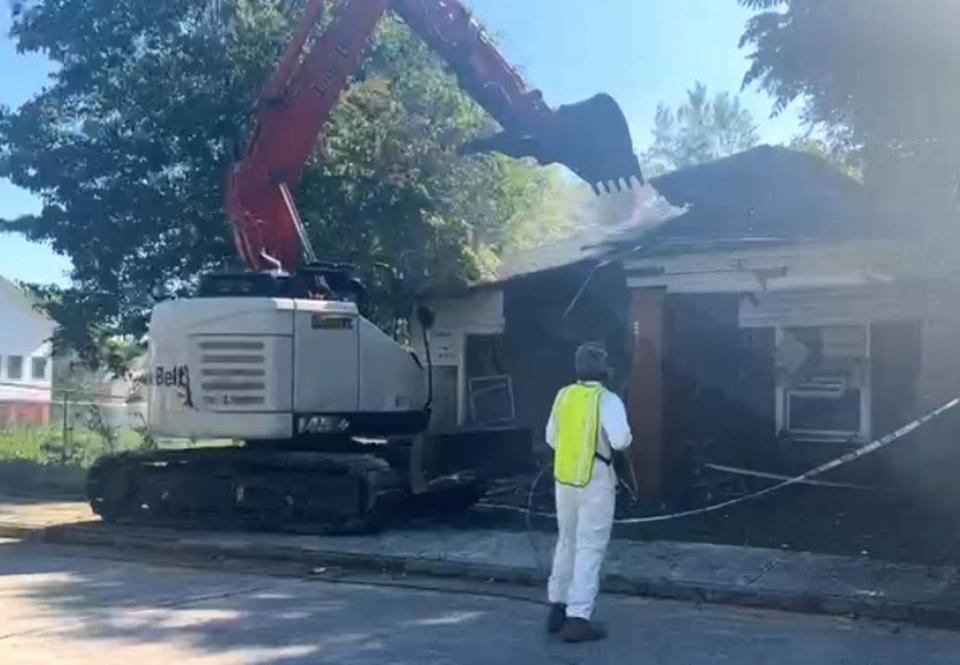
pixel 621 184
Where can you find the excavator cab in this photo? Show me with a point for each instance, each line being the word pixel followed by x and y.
pixel 591 138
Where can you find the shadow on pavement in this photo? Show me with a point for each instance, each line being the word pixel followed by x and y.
pixel 254 618
pixel 57 603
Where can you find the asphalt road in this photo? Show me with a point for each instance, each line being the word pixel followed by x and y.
pixel 70 606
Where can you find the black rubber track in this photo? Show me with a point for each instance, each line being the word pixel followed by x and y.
pixel 211 488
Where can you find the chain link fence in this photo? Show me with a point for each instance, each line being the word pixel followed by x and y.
pixel 69 427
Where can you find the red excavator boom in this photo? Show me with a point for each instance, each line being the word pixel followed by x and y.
pixel 591 138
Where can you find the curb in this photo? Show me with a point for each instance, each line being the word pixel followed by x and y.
pixel 928 615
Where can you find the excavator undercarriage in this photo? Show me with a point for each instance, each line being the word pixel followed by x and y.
pixel 302 491
pixel 349 487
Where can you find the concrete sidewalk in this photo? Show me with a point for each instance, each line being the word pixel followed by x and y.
pixel 688 571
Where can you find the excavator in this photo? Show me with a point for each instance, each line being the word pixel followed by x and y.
pixel 329 414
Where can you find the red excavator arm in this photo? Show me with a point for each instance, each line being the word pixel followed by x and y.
pixel 591 138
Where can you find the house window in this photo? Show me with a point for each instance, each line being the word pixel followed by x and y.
pixel 489 385
pixel 38 369
pixel 823 382
pixel 491 399
pixel 15 367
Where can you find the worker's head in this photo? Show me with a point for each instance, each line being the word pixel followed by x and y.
pixel 590 363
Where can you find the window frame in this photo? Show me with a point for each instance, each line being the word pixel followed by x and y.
pixel 10 359
pixel 782 395
pixel 33 368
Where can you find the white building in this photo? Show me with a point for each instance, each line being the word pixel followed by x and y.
pixel 25 366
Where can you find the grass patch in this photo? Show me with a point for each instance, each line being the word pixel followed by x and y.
pixel 22 444
pixel 45 445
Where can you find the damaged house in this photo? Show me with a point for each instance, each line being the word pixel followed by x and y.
pixel 769 324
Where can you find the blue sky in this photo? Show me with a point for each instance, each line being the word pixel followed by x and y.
pixel 640 51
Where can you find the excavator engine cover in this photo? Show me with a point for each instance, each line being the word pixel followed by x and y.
pixel 591 138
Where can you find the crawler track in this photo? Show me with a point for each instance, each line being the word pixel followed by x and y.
pixel 299 491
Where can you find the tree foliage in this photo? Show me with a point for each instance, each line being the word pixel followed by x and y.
pixel 128 145
pixel 834 155
pixel 699 130
pixel 876 77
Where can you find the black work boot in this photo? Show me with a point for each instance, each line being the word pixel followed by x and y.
pixel 556 618
pixel 581 630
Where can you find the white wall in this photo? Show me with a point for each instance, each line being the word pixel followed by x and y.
pixel 24 332
pixel 479 312
pixel 793 267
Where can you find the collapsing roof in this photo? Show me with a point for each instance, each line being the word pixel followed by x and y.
pixel 765 195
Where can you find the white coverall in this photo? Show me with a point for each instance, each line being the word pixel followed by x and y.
pixel 585 515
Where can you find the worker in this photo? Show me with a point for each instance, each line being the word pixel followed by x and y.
pixel 587 423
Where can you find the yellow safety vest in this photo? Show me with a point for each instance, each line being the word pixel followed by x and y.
pixel 576 414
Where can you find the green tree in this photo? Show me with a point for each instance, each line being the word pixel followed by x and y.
pixel 699 130
pixel 128 145
pixel 876 78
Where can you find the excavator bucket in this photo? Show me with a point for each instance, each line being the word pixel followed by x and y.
pixel 591 138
